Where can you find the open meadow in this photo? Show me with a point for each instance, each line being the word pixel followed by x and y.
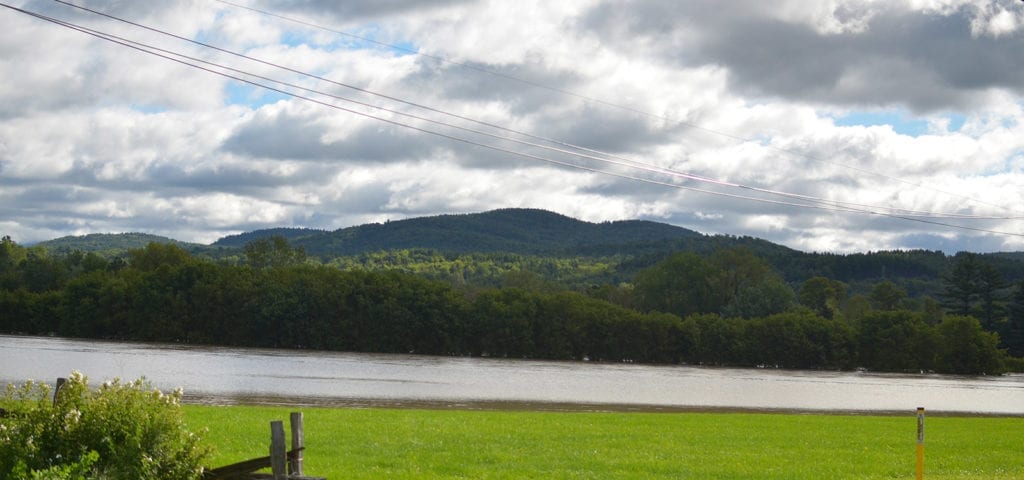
pixel 457 444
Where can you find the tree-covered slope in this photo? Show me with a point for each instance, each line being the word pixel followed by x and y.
pixel 524 231
pixel 110 243
pixel 290 234
pixel 485 247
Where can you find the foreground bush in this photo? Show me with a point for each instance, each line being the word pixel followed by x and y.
pixel 119 431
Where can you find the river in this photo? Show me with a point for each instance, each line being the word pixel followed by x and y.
pixel 289 377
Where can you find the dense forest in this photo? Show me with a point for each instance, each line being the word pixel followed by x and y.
pixel 728 305
pixel 481 249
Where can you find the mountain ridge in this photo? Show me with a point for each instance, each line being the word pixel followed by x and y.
pixel 288 233
pixel 512 230
pixel 528 231
pixel 106 242
pixel 634 245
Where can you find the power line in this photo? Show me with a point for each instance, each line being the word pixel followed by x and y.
pixel 607 103
pixel 152 51
pixel 610 158
pixel 143 49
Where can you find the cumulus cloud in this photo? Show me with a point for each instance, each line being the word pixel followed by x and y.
pixel 349 11
pixel 756 98
pixel 881 54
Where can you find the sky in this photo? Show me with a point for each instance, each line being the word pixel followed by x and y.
pixel 828 125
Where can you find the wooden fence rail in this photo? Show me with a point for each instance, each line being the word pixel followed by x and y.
pixel 284 464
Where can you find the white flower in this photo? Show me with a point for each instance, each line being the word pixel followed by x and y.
pixel 73 416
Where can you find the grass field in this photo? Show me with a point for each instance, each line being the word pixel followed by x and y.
pixel 450 444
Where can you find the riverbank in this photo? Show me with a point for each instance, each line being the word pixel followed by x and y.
pixel 298 402
pixel 414 443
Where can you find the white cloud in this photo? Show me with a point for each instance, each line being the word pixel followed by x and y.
pixel 96 137
pixel 996 19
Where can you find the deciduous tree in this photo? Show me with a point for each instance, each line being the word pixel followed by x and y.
pixel 823 296
pixel 273 252
pixel 964 347
pixel 887 296
pixel 679 284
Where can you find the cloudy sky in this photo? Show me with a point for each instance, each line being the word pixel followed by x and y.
pixel 824 125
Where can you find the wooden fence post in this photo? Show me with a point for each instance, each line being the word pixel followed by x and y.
pixel 298 442
pixel 277 450
pixel 60 383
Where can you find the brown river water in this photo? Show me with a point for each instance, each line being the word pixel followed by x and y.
pixel 221 375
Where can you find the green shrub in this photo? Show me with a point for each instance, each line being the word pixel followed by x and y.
pixel 118 431
pixel 1014 364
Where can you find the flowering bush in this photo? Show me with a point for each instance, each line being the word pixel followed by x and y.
pixel 119 431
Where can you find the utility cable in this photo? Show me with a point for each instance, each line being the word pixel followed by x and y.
pixel 626 163
pixel 608 103
pixel 479 144
pixel 622 161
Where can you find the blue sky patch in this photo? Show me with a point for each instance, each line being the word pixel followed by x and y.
pixel 149 109
pixel 900 122
pixel 405 48
pixel 238 93
pixel 203 35
pixel 366 38
pixel 293 38
pixel 369 38
pixel 956 122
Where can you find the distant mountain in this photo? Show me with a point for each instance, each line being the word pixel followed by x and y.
pixel 1008 255
pixel 629 246
pixel 521 231
pixel 110 243
pixel 524 231
pixel 290 234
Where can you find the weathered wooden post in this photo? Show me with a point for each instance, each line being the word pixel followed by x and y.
pixel 60 383
pixel 298 443
pixel 284 464
pixel 278 452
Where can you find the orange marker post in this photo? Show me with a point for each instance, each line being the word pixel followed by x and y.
pixel 920 443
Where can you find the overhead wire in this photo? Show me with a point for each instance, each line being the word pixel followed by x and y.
pixel 611 158
pixel 154 51
pixel 530 156
pixel 611 104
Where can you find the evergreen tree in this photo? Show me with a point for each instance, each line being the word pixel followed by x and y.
pixel 961 284
pixel 992 297
pixel 1011 333
pixel 975 288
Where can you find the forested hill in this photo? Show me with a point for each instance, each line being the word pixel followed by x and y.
pixel 556 244
pixel 290 234
pixel 111 243
pixel 524 231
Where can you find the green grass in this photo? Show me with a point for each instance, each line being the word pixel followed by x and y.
pixel 447 444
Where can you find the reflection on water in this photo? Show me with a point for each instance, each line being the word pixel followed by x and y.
pixel 287 377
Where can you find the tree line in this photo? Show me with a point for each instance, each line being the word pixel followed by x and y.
pixel 728 308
